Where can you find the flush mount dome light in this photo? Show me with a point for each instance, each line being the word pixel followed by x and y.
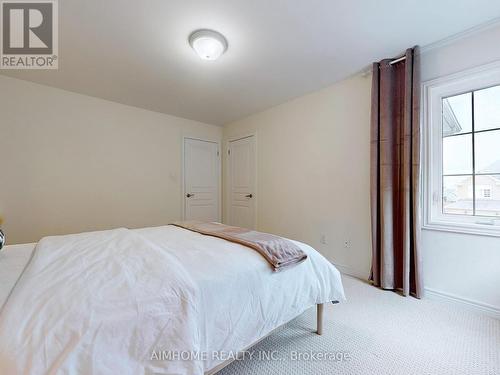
pixel 208 44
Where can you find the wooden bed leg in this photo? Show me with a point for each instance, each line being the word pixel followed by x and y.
pixel 319 318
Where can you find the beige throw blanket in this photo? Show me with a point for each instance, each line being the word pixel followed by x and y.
pixel 278 251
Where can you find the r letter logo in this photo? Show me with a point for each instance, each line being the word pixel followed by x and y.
pixel 29 34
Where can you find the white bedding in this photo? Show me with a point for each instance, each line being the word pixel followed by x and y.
pixel 110 302
pixel 13 259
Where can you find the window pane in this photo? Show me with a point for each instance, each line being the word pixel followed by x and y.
pixel 457 114
pixel 488 152
pixel 487 108
pixel 457 154
pixel 457 195
pixel 488 195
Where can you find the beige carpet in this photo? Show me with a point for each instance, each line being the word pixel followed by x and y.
pixel 379 332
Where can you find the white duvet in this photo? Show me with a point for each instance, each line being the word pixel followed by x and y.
pixel 150 301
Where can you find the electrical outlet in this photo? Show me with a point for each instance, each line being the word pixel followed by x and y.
pixel 323 239
pixel 347 244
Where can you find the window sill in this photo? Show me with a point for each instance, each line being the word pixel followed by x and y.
pixel 463 228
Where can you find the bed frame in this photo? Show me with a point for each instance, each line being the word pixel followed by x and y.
pixel 320 308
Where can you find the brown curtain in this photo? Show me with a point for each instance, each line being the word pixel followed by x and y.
pixel 395 171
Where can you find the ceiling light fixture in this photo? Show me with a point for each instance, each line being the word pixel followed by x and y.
pixel 208 44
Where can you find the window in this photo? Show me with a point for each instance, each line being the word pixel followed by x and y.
pixel 471 152
pixel 462 152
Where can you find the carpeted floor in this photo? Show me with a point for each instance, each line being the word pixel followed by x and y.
pixel 380 332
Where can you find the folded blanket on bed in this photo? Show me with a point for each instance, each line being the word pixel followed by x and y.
pixel 278 251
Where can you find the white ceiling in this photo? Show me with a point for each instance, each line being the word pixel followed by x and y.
pixel 136 52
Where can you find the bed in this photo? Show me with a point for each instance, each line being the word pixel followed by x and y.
pixel 160 300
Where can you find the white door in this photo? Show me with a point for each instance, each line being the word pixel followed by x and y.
pixel 241 163
pixel 201 180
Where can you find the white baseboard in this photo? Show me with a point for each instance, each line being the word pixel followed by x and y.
pixel 433 294
pixel 466 303
pixel 350 271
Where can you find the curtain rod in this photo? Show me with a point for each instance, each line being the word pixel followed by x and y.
pixel 365 72
pixel 397 60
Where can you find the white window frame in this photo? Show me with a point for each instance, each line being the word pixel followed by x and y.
pixel 433 93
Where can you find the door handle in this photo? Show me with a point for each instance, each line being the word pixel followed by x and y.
pixel 249 196
pixel 189 195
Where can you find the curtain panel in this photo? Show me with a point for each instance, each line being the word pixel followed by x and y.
pixel 395 175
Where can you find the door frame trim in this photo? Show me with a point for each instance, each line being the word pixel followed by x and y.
pixel 227 200
pixel 183 172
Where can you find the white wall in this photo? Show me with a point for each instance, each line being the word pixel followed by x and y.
pixel 71 163
pixel 459 265
pixel 313 170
